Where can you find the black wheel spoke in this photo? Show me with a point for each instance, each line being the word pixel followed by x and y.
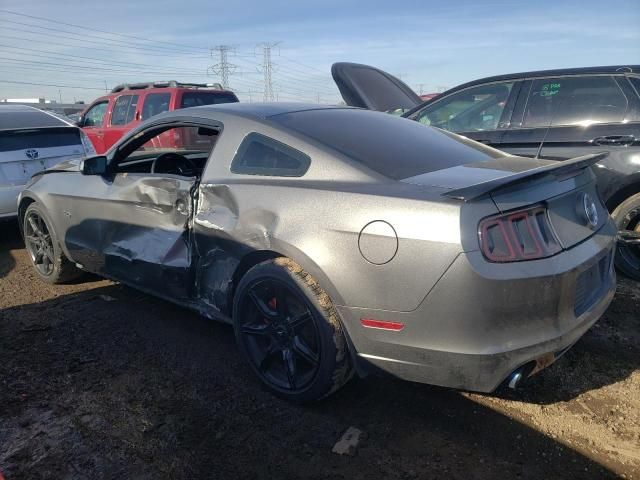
pixel 259 330
pixel 302 349
pixel 290 367
pixel 263 308
pixel 300 319
pixel 267 359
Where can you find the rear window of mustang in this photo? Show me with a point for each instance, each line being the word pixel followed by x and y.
pixel 260 155
pixel 397 148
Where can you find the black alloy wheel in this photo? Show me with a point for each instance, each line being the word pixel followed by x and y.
pixel 290 331
pixel 39 243
pixel 280 335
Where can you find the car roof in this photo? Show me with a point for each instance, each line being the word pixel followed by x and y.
pixel 258 111
pixel 13 117
pixel 611 69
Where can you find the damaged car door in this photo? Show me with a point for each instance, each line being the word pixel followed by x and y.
pixel 144 226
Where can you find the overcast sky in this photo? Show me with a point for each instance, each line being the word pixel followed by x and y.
pixel 429 44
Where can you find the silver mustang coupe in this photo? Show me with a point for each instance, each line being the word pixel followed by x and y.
pixel 338 240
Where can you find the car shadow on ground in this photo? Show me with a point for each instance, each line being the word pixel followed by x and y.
pixel 112 382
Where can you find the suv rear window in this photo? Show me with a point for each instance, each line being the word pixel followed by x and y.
pixel 155 103
pixel 196 99
pixel 574 101
pixel 394 147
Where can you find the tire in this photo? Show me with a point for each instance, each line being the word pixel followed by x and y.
pixel 284 322
pixel 45 253
pixel 627 217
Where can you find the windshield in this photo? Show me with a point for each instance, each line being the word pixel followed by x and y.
pixel 394 147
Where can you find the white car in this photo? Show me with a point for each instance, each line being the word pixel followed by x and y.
pixel 32 140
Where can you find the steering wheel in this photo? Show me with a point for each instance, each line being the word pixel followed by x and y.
pixel 173 163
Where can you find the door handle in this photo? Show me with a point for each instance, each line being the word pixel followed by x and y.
pixel 614 140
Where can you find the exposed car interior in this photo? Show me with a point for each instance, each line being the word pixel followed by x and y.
pixel 177 150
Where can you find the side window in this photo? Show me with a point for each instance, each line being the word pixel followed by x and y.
pixel 476 108
pixel 155 103
pixel 177 150
pixel 95 115
pixel 124 110
pixel 574 101
pixel 260 155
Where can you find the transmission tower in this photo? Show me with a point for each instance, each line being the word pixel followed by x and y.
pixel 223 68
pixel 267 70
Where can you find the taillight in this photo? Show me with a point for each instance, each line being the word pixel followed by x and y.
pixel 517 236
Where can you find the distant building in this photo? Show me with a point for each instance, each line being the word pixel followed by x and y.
pixel 27 100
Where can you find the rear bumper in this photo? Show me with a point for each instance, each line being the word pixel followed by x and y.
pixel 9 200
pixel 483 321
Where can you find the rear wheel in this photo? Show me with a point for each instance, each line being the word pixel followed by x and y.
pixel 43 247
pixel 289 330
pixel 627 219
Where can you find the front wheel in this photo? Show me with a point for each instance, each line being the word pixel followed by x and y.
pixel 627 219
pixel 288 328
pixel 43 247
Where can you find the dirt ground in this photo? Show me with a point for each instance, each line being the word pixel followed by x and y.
pixel 100 381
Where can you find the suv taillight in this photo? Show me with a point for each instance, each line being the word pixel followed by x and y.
pixel 517 236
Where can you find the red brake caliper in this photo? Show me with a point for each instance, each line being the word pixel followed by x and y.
pixel 273 303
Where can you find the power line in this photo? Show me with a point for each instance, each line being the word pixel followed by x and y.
pixel 50 85
pixel 121 70
pixel 94 59
pixel 153 53
pixel 101 31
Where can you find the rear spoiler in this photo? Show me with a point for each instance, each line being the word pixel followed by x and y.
pixel 557 169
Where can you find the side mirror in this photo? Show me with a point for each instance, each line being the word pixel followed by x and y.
pixel 94 165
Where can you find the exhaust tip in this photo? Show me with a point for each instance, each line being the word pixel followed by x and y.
pixel 519 375
pixel 514 379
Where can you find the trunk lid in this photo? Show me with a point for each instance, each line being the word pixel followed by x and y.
pixel 25 152
pixel 368 87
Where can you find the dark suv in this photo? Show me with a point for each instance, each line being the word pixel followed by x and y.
pixel 108 118
pixel 552 114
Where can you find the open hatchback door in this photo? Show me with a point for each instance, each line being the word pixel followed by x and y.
pixel 368 87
